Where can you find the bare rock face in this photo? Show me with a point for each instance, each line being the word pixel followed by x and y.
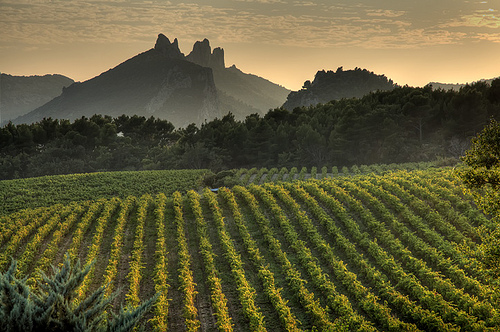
pixel 201 53
pixel 174 80
pixel 170 50
pixel 187 94
pixel 203 56
pixel 217 58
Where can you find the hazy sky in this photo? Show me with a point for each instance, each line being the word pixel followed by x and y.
pixel 287 41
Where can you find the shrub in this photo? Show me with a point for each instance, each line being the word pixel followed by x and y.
pixel 52 306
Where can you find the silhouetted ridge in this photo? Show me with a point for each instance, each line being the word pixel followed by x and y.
pixel 22 94
pixel 164 83
pixel 330 85
pixel 170 50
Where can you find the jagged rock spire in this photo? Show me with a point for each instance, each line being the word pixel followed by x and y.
pixel 170 50
pixel 203 56
pixel 217 58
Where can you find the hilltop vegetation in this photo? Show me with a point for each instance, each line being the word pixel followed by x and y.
pixel 334 85
pixel 366 252
pixel 402 125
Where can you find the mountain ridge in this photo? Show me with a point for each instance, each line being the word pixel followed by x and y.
pixel 164 83
pixel 145 84
pixel 21 94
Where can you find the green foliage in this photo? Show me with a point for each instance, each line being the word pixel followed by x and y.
pixel 314 172
pixel 242 177
pixel 482 177
pixel 373 252
pixel 52 306
pixel 48 190
pixel 404 124
pixel 227 178
pixel 324 171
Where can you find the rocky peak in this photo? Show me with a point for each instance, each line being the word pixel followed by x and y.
pixel 203 56
pixel 201 53
pixel 217 58
pixel 170 50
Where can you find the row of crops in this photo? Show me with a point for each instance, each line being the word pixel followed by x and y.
pixel 262 175
pixel 367 253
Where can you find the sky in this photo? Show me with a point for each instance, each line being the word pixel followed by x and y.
pixel 412 42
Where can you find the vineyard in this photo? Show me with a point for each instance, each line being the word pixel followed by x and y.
pixel 259 176
pixel 60 189
pixel 372 251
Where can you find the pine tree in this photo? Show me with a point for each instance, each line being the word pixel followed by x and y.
pixel 51 306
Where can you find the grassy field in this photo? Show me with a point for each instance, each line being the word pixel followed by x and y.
pixel 361 252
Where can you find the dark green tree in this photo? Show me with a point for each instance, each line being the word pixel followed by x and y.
pixel 51 305
pixel 481 175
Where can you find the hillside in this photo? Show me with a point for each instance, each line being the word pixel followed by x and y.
pixel 334 85
pixel 22 94
pixel 372 253
pixel 239 93
pixel 248 89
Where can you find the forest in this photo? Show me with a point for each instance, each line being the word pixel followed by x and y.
pixel 406 124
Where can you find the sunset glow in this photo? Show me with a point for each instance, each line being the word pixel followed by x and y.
pixel 285 41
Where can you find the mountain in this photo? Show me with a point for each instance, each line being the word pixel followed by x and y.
pixel 164 83
pixel 330 85
pixel 21 94
pixel 249 89
pixel 240 93
pixel 158 82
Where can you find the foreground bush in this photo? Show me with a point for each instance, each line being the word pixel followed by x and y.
pixel 52 305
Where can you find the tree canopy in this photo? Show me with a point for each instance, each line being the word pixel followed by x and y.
pixel 481 175
pixel 405 124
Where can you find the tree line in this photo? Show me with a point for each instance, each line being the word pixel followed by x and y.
pixel 405 124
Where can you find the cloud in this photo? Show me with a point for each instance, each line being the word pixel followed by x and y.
pixel 491 37
pixel 384 12
pixel 486 19
pixel 304 4
pixel 263 1
pixel 292 23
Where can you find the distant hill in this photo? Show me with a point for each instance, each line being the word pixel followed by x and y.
pixel 164 83
pixel 22 94
pixel 456 86
pixel 330 85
